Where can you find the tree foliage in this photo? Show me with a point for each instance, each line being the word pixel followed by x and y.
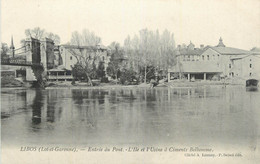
pixel 150 48
pixel 87 56
pixel 4 50
pixel 86 38
pixel 40 34
pixel 100 70
pixel 116 63
pixel 128 76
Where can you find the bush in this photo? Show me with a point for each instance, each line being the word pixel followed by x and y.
pixel 128 77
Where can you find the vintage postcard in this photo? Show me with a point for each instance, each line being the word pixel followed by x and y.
pixel 130 82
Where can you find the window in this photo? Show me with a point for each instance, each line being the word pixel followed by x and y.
pixel 70 57
pixel 229 65
pixel 218 57
pixel 250 74
pixel 188 57
pixel 250 60
pixel 250 65
pixel 208 57
pixel 103 58
pixel 202 57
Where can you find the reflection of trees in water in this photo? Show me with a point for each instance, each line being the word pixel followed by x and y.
pixel 37 107
pixel 79 96
pixel 88 104
pixel 122 95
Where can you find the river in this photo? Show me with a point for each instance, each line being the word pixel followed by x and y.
pixel 130 116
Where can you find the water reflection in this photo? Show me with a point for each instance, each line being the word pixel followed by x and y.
pixel 37 107
pixel 131 116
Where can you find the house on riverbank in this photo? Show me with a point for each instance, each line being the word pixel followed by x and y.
pixel 214 62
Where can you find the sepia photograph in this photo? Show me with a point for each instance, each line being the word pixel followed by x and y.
pixel 130 82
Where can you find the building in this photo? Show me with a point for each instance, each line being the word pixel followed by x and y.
pixel 213 62
pixel 66 56
pixel 246 66
pixel 70 54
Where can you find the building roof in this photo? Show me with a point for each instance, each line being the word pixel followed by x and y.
pixel 244 56
pixel 191 52
pixel 230 51
pixel 255 49
pixel 84 47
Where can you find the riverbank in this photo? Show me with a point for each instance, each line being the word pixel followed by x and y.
pixel 15 84
pixel 201 83
pixel 171 84
pixel 68 85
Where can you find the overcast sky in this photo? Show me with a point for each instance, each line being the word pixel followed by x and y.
pixel 201 21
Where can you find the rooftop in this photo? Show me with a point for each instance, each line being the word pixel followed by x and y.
pixel 84 47
pixel 230 51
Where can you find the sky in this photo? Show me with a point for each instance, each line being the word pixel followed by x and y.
pixel 199 21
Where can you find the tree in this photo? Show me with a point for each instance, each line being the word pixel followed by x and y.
pixel 115 64
pixel 54 37
pixel 86 38
pixel 150 49
pixel 83 48
pixel 40 34
pixel 128 76
pixel 4 50
pixel 101 70
pixel 79 72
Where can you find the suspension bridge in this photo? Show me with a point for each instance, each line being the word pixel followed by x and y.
pixel 31 54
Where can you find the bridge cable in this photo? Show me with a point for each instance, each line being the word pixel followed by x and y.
pixel 19 48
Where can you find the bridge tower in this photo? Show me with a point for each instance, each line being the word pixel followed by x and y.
pixel 36 72
pixel 47 53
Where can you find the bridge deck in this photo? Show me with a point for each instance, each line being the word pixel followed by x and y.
pixel 16 62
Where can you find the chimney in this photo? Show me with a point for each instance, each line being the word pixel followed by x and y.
pixel 202 46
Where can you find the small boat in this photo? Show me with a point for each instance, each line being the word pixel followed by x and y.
pixel 251 84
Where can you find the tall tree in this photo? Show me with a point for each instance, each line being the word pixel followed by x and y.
pixel 84 38
pixel 86 56
pixel 149 48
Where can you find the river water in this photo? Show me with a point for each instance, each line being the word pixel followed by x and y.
pixel 131 116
